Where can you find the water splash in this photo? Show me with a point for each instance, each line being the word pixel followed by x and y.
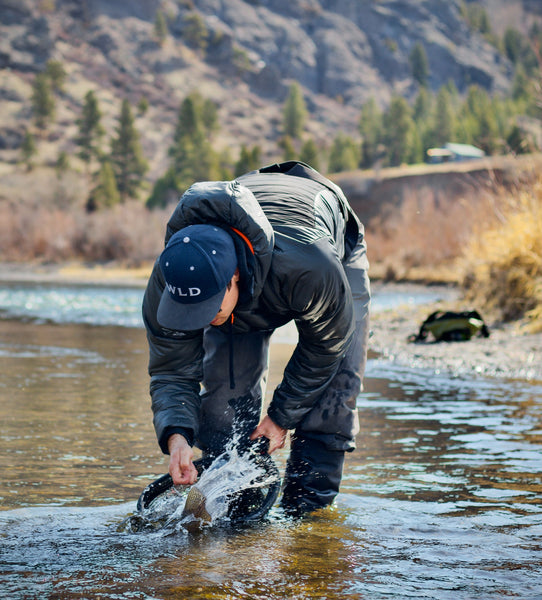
pixel 234 486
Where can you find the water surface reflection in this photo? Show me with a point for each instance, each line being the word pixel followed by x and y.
pixel 442 499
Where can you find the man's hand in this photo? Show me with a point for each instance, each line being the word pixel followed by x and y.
pixel 181 467
pixel 275 434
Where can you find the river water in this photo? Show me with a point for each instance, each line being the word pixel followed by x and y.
pixel 442 499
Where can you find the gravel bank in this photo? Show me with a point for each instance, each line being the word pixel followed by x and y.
pixel 507 353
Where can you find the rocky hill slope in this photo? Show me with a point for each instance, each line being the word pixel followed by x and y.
pixel 243 54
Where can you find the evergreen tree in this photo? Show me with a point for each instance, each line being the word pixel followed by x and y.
pixel 522 87
pixel 513 44
pixel 240 60
pixel 43 103
pixel 209 116
pixel 344 154
pixel 444 119
pixel 193 159
pixel 126 157
pixel 56 73
pixel 106 193
pixel 195 32
pixel 423 105
pixel 165 190
pixel 90 130
pixel 370 128
pixel 28 150
pixel 419 64
pixel 189 122
pixel 249 160
pixel 225 162
pixel 192 155
pixel 62 164
pixel 423 115
pixel 287 146
pixel 415 152
pixel 294 112
pixel 479 119
pixel 309 154
pixel 142 106
pixel 488 138
pixel 398 131
pixel 160 27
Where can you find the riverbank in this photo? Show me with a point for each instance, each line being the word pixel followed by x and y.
pixel 508 353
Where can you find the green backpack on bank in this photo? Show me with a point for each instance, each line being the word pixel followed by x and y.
pixel 449 326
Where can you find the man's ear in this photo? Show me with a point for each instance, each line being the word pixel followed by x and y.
pixel 235 275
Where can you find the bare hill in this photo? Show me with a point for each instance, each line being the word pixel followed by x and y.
pixel 241 54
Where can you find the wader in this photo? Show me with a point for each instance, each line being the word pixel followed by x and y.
pixel 314 468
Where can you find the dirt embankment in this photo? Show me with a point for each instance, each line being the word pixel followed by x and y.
pixel 381 193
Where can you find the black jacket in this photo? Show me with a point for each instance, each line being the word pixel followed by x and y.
pixel 301 230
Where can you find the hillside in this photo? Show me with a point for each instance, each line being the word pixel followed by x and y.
pixel 244 57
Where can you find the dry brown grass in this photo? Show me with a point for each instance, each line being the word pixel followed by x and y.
pixel 423 239
pixel 502 264
pixel 127 233
pixel 489 239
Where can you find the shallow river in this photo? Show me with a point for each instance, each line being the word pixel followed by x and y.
pixel 442 499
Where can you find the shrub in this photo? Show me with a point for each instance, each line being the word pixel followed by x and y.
pixel 503 264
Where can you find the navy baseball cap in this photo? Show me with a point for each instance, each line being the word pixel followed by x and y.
pixel 197 264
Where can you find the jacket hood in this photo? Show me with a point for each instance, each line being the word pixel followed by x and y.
pixel 229 205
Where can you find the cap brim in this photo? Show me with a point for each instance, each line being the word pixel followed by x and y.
pixel 188 317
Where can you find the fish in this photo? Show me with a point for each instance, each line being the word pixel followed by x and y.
pixel 195 515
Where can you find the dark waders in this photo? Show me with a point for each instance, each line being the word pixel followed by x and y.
pixel 314 468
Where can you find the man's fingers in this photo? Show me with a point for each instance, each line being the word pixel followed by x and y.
pixel 275 434
pixel 175 472
pixel 181 467
pixel 183 476
pixel 276 442
pixel 256 434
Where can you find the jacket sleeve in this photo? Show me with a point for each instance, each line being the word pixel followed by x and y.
pixel 175 367
pixel 321 301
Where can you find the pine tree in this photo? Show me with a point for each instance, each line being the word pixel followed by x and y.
pixel 195 32
pixel 192 155
pixel 294 112
pixel 344 154
pixel 249 160
pixel 309 154
pixel 56 73
pixel 189 124
pixel 160 27
pixel 398 130
pixel 423 115
pixel 370 128
pixel 28 150
pixel 43 103
pixel 126 157
pixel 478 115
pixel 90 130
pixel 193 158
pixel 209 116
pixel 106 193
pixel 444 119
pixel 62 164
pixel 142 106
pixel 287 146
pixel 419 64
